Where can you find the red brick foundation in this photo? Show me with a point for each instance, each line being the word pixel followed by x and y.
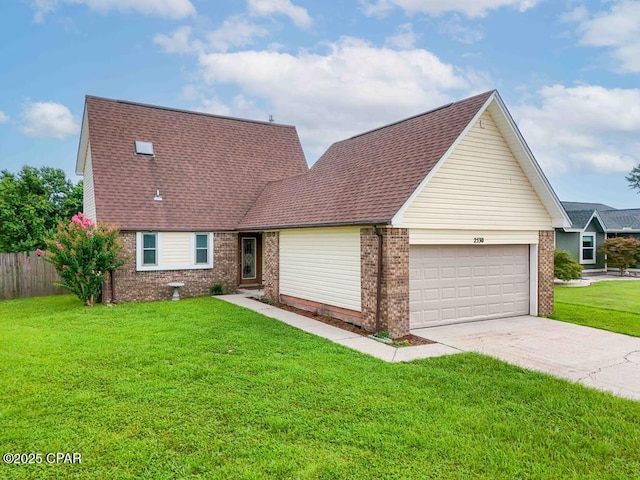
pixel 394 305
pixel 134 286
pixel 344 314
pixel 545 272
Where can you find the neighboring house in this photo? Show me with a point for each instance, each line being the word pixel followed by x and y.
pixel 591 225
pixel 443 217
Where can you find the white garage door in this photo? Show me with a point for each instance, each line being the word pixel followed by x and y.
pixel 451 284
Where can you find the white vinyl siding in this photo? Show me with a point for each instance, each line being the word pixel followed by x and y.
pixel 419 236
pixel 88 195
pixel 321 265
pixel 479 186
pixel 174 251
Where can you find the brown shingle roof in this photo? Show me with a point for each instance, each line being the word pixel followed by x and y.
pixel 209 169
pixel 367 178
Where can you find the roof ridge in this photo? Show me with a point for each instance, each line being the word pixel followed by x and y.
pixel 428 112
pixel 192 112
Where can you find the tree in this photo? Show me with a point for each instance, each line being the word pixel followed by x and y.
pixel 32 202
pixel 634 178
pixel 621 252
pixel 565 267
pixel 83 253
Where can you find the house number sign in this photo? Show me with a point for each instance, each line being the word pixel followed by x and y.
pixel 478 239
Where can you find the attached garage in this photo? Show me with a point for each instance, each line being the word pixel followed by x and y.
pixel 441 218
pixel 461 283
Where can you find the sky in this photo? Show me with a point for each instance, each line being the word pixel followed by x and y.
pixel 567 70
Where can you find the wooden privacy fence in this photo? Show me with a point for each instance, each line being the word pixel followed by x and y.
pixel 27 275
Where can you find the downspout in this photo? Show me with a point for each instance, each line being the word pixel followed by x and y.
pixel 378 280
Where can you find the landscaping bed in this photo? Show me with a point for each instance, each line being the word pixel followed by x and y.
pixel 406 341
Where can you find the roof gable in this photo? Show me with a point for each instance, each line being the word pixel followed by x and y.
pixel 208 169
pixel 367 178
pixel 479 187
pixel 373 177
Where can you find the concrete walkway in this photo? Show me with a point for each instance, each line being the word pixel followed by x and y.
pixel 595 358
pixel 338 335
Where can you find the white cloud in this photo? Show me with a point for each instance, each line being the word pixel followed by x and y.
pixel 350 88
pixel 298 15
pixel 178 42
pixel 468 8
pixel 461 33
pixel 48 119
pixel 617 29
pixel 583 128
pixel 404 38
pixel 162 8
pixel 4 118
pixel 235 31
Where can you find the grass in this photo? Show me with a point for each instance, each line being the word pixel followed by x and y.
pixel 611 305
pixel 204 389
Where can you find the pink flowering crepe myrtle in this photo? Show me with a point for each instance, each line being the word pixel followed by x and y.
pixel 83 252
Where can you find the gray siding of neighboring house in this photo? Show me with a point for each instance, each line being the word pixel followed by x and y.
pixel 570 241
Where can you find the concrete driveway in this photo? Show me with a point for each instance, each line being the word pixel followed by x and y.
pixel 595 358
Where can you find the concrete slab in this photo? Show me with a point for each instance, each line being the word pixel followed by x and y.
pixel 596 358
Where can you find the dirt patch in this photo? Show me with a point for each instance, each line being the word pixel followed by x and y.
pixel 407 340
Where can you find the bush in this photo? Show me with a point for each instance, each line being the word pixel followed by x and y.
pixel 621 252
pixel 217 289
pixel 565 267
pixel 83 253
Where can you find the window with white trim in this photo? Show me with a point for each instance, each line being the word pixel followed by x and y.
pixel 160 251
pixel 588 248
pixel 149 249
pixel 202 249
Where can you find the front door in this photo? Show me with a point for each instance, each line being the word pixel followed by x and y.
pixel 250 258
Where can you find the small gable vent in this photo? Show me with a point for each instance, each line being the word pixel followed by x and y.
pixel 144 148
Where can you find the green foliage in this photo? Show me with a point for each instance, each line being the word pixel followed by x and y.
pixel 621 252
pixel 611 305
pixel 634 178
pixel 216 289
pixel 565 267
pixel 150 391
pixel 83 254
pixel 32 202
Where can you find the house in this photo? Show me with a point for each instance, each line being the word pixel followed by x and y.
pixel 591 225
pixel 439 218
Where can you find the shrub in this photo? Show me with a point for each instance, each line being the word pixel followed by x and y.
pixel 83 253
pixel 216 289
pixel 565 267
pixel 621 252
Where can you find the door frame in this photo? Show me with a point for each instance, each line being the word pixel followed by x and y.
pixel 257 280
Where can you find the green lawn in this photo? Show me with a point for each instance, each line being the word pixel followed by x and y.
pixel 204 389
pixel 612 305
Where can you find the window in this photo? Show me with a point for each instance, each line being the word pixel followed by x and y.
pixel 144 148
pixel 160 251
pixel 588 248
pixel 202 248
pixel 149 249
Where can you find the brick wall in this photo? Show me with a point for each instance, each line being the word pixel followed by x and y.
pixel 271 266
pixel 394 305
pixel 545 272
pixel 134 286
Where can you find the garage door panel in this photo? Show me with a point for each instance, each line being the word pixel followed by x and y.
pixel 450 284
